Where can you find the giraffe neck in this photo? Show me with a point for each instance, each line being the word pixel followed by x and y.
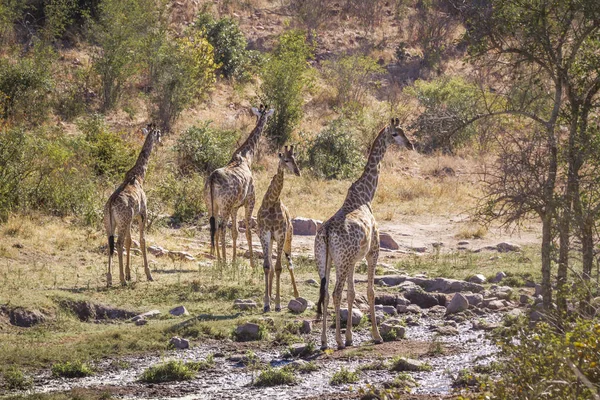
pixel 276 186
pixel 248 148
pixel 363 190
pixel 141 165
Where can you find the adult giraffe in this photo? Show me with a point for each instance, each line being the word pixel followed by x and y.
pixel 231 187
pixel 351 235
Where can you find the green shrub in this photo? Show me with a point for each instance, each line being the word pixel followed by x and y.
pixel 333 153
pixel 229 45
pixel 14 379
pixel 285 77
pixel 275 377
pixel 209 363
pixel 75 369
pixel 344 376
pixel 184 194
pixel 203 148
pixel 168 372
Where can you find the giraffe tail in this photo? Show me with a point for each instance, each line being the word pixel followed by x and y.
pixel 111 231
pixel 212 221
pixel 323 287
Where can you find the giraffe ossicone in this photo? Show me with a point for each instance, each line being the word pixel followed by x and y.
pixel 350 235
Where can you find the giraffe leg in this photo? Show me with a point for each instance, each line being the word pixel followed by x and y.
pixel 249 208
pixel 287 249
pixel 350 294
pixel 234 233
pixel 109 273
pixel 372 257
pixel 143 246
pixel 324 268
pixel 269 254
pixel 218 229
pixel 278 269
pixel 120 241
pixel 337 300
pixel 128 259
pixel 324 328
pixel 265 239
pixel 223 228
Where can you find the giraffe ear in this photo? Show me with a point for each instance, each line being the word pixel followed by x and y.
pixel 256 111
pixel 280 155
pixel 145 131
pixel 269 113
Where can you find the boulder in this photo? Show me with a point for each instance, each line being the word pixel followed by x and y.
pixel 408 364
pixel 179 310
pixel 181 256
pixel 501 292
pixel 499 276
pixel 244 304
pixel 26 318
pixel 157 251
pixel 357 316
pixel 179 343
pixel 438 310
pixel 424 299
pixel 387 299
pixel 474 298
pixel 525 299
pixel 299 349
pixel 414 309
pixel 446 330
pixel 393 328
pixel 458 303
pixel 146 315
pixel 386 241
pixel 478 278
pixel 495 305
pixel 306 327
pixel 445 285
pixel 391 280
pixel 389 310
pixel 248 332
pixel 538 290
pixel 505 247
pixel 296 306
pixel 305 226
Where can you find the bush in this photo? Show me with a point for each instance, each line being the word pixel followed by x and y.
pixel 184 194
pixel 168 372
pixel 14 379
pixel 333 153
pixel 285 77
pixel 344 376
pixel 203 148
pixel 229 45
pixel 68 369
pixel 311 14
pixel 275 377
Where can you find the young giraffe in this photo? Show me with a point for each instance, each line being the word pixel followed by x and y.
pixel 230 187
pixel 275 225
pixel 351 235
pixel 125 204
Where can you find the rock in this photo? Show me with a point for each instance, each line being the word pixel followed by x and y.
pixel 444 285
pixel 401 309
pixel 483 325
pixel 305 226
pixel 499 276
pixel 408 285
pixel 379 317
pixel 296 306
pixel 501 292
pixel 311 282
pixel 419 249
pixel 87 311
pixel 387 299
pixel 244 304
pixel 157 251
pixel 423 299
pixel 147 314
pixel 538 290
pixel 179 310
pixel 514 313
pixel 392 328
pixel 438 310
pixel 474 298
pixel 141 322
pixel 357 316
pixel 248 332
pixel 26 318
pixel 391 280
pixel 458 303
pixel 179 343
pixel 306 327
pixel 446 330
pixel 299 349
pixel 297 364
pixel 408 364
pixel 505 247
pixel 495 304
pixel 464 243
pixel 390 310
pixel 181 256
pixel 478 278
pixel 386 241
pixel 413 308
pixel 525 299
pixel 536 316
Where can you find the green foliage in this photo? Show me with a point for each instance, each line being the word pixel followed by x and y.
pixel 333 153
pixel 75 369
pixel 229 45
pixel 183 70
pixel 168 372
pixel 402 364
pixel 344 376
pixel 351 76
pixel 285 77
pixel 449 103
pixel 203 148
pixel 14 379
pixel 275 377
pixel 184 194
pixel 544 363
pixel 204 365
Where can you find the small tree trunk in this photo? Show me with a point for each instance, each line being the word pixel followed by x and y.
pixel 547 260
pixel 563 260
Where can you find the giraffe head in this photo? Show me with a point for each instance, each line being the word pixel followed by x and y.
pixel 262 112
pixel 288 159
pixel 397 135
pixel 154 131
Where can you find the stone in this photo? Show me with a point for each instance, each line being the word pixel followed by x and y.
pixel 536 316
pixel 379 317
pixel 478 278
pixel 386 241
pixel 445 285
pixel 506 247
pixel 391 280
pixel 26 318
pixel 538 290
pixel 438 310
pixel 464 243
pixel 306 327
pixel 424 299
pixel 297 306
pixel 178 311
pixel 390 310
pixel 141 322
pixel 244 304
pixel 501 292
pixel 408 364
pixel 401 309
pixel 357 316
pixel 458 303
pixel 495 305
pixel 387 299
pixel 474 298
pixel 181 256
pixel 179 343
pixel 392 328
pixel 297 364
pixel 312 282
pixel 525 299
pixel 157 251
pixel 305 226
pixel 248 332
pixel 147 314
pixel 484 326
pixel 413 308
pixel 499 276
pixel 299 349
pixel 446 330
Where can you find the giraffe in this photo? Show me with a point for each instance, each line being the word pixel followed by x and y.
pixel 127 203
pixel 351 235
pixel 231 187
pixel 275 225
